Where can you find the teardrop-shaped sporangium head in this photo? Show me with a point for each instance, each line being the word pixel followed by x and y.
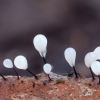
pixel 40 44
pixel 95 66
pixel 8 63
pixel 70 56
pixel 21 62
pixel 97 52
pixel 89 59
pixel 47 68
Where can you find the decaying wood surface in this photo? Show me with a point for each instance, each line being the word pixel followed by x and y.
pixel 60 88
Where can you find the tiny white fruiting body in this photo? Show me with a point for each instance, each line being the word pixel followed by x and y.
pixel 8 63
pixel 96 67
pixel 21 62
pixel 97 52
pixel 89 59
pixel 47 68
pixel 70 56
pixel 40 44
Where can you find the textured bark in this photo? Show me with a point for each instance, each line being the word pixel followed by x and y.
pixel 60 88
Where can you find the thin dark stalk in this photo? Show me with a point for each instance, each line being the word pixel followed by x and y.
pixel 75 72
pixel 3 77
pixel 32 74
pixel 92 74
pixel 49 78
pixel 99 79
pixel 16 72
pixel 44 60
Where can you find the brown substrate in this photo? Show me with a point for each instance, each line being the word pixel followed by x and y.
pixel 60 88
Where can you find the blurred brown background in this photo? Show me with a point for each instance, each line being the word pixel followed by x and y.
pixel 65 23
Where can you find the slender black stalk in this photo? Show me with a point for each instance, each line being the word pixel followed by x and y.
pixel 16 72
pixel 98 60
pixel 44 60
pixel 3 77
pixel 75 72
pixel 32 74
pixel 92 74
pixel 49 78
pixel 99 79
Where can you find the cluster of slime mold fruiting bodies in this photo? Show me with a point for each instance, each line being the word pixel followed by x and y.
pixel 40 43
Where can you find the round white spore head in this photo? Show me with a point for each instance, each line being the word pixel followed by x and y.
pixel 40 44
pixel 70 56
pixel 89 59
pixel 97 52
pixel 95 66
pixel 21 62
pixel 47 68
pixel 8 63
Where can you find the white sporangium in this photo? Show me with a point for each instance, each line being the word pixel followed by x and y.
pixel 95 66
pixel 40 44
pixel 97 53
pixel 8 64
pixel 47 69
pixel 89 59
pixel 21 63
pixel 70 56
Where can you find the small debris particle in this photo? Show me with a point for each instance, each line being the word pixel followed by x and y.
pixel 22 81
pixel 90 84
pixel 70 94
pixel 44 83
pixel 33 84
